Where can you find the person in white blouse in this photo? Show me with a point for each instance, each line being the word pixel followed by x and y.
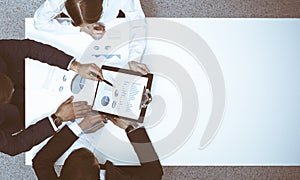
pixel 90 16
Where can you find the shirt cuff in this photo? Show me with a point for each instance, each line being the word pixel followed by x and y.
pixel 52 123
pixel 75 129
pixel 69 66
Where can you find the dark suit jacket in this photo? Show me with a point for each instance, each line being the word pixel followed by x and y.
pixel 43 162
pixel 25 139
pixel 12 63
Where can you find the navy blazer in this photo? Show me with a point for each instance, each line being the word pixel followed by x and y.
pixel 12 63
pixel 43 162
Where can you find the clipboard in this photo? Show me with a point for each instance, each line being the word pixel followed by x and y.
pixel 129 96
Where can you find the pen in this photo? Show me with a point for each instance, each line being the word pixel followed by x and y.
pixel 108 83
pixel 105 81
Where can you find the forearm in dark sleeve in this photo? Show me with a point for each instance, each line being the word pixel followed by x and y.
pixel 43 162
pixel 48 54
pixel 21 49
pixel 26 139
pixel 150 164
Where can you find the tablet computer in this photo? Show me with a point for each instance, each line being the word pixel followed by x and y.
pixel 123 93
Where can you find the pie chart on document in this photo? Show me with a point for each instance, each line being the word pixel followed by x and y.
pixel 77 84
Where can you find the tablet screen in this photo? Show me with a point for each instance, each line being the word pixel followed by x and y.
pixel 124 98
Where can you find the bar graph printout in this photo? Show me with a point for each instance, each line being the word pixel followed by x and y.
pixel 124 98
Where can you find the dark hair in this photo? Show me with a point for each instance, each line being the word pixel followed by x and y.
pixel 6 88
pixel 80 164
pixel 84 11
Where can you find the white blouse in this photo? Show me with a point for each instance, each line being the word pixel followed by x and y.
pixel 44 19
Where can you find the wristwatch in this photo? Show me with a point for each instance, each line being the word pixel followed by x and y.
pixel 132 127
pixel 129 129
pixel 57 121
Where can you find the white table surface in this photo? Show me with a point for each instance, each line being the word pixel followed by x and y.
pixel 260 61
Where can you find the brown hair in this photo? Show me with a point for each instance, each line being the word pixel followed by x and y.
pixel 80 164
pixel 84 11
pixel 6 88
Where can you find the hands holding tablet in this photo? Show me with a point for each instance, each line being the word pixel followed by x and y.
pixel 121 123
pixel 138 67
pixel 92 122
pixel 95 121
pixel 93 72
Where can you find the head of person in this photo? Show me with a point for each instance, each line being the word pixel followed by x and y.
pixel 84 12
pixel 6 89
pixel 81 164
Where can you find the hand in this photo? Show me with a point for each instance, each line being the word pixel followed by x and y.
pixel 70 111
pixel 96 30
pixel 138 67
pixel 92 123
pixel 121 123
pixel 89 71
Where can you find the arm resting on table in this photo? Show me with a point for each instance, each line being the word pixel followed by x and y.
pixel 26 139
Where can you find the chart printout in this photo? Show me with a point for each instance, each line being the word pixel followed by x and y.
pixel 124 97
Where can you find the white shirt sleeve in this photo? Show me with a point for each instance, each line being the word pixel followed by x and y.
pixel 138 27
pixel 102 174
pixel 69 65
pixel 44 18
pixel 75 128
pixel 52 123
